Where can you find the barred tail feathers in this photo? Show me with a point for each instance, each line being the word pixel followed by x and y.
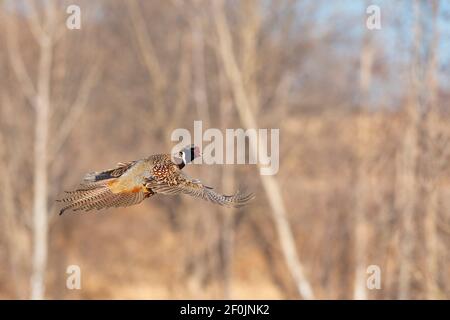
pixel 98 198
pixel 81 198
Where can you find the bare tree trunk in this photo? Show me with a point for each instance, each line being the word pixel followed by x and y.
pixel 406 200
pixel 228 183
pixel 431 202
pixel 198 61
pixel 361 192
pixel 270 184
pixel 406 170
pixel 227 236
pixel 40 212
pixel 431 243
pixel 359 217
pixel 40 101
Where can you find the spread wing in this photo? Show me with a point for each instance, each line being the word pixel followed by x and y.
pixel 196 188
pixel 116 172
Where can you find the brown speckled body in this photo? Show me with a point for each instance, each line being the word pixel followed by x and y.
pixel 159 167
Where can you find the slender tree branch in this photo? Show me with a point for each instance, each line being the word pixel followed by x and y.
pixel 270 184
pixel 17 63
pixel 76 109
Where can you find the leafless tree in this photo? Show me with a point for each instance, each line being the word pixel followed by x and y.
pixel 363 151
pixel 47 27
pixel 244 106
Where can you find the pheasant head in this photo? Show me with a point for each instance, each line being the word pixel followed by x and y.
pixel 187 155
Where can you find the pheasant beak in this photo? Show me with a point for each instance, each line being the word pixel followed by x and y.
pixel 197 152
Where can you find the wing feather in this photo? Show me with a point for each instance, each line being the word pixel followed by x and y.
pixel 195 188
pixel 116 172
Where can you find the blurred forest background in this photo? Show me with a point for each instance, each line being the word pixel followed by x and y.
pixel 364 154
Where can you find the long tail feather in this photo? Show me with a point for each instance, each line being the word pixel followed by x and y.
pixel 99 198
pixel 79 199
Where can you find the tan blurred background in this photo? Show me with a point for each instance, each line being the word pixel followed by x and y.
pixel 364 147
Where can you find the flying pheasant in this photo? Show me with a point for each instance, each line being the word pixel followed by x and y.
pixel 132 182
